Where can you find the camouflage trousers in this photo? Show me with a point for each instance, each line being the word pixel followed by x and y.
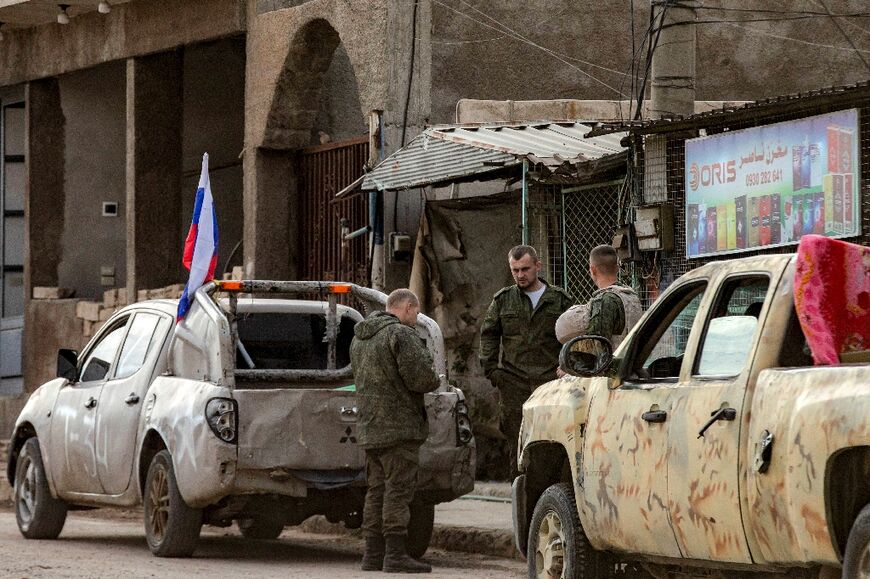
pixel 514 392
pixel 391 474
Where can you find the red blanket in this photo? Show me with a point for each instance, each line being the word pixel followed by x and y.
pixel 832 296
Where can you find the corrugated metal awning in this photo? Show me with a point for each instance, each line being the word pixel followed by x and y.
pixel 452 152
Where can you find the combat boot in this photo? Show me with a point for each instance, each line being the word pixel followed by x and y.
pixel 373 556
pixel 397 560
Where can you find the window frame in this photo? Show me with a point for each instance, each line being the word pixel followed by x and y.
pixel 723 285
pixel 104 332
pixel 661 314
pixel 161 318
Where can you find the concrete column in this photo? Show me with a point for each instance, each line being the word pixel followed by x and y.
pixel 155 224
pixel 44 192
pixel 271 215
pixel 672 92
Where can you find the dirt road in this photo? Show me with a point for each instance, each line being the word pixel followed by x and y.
pixel 92 545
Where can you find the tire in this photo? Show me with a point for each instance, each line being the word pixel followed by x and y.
pixel 420 528
pixel 260 528
pixel 39 515
pixel 171 527
pixel 558 547
pixel 856 562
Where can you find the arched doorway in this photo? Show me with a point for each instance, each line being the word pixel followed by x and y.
pixel 317 117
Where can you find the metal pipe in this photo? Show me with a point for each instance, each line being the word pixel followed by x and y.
pixel 357 233
pixel 331 331
pixel 525 202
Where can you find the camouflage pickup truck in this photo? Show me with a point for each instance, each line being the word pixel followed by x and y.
pixel 707 445
pixel 244 412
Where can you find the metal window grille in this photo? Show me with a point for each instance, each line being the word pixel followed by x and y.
pixel 565 223
pixel 591 213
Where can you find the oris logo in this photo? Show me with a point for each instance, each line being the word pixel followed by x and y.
pixel 712 174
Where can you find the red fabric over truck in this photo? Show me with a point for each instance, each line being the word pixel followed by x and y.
pixel 832 296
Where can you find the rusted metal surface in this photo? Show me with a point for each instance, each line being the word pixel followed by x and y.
pixel 660 489
pixel 324 171
pixel 449 152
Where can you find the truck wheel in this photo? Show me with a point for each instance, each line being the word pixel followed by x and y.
pixel 39 515
pixel 856 562
pixel 558 548
pixel 260 528
pixel 171 527
pixel 420 528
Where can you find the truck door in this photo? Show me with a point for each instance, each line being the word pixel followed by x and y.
pixel 122 397
pixel 625 473
pixel 72 454
pixel 705 420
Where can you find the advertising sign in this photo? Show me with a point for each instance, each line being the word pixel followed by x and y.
pixel 770 185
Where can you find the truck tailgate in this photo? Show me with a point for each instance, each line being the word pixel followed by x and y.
pixel 298 429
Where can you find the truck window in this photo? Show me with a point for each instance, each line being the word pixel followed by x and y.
pixel 285 341
pixel 661 343
pixel 731 326
pixel 138 343
pixel 102 355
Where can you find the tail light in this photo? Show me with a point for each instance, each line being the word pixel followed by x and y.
pixel 222 417
pixel 464 433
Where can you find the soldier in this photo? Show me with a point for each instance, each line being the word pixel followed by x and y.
pixel 614 309
pixel 519 329
pixel 393 370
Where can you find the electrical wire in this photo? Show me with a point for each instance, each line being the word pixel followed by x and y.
pixel 846 36
pixel 649 59
pixel 407 102
pixel 792 39
pixel 561 58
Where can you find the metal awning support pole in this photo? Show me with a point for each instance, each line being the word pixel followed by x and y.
pixel 525 202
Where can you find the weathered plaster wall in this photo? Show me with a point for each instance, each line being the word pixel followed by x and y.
pixel 93 105
pixel 474 56
pixel 131 29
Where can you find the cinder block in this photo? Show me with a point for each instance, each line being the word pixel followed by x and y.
pixel 174 291
pixel 52 293
pixel 89 329
pixel 106 313
pixel 110 298
pixel 88 311
pixel 157 294
pixel 122 297
pixel 238 273
pixel 142 295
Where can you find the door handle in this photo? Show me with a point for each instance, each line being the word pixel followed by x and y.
pixel 131 399
pixel 91 403
pixel 721 414
pixel 655 416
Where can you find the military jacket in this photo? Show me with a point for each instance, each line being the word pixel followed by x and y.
pixel 392 369
pixel 524 339
pixel 613 311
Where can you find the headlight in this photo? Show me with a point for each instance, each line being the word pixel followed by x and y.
pixel 464 434
pixel 220 413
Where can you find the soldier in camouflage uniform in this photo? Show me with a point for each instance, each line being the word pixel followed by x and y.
pixel 614 309
pixel 392 369
pixel 519 330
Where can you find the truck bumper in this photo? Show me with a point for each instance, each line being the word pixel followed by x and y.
pixel 520 513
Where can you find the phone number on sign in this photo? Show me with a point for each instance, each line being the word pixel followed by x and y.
pixel 763 177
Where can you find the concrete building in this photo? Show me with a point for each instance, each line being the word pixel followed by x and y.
pixel 105 118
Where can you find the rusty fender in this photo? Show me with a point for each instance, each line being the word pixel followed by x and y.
pixel 555 413
pixel 204 464
pixel 812 413
pixel 34 413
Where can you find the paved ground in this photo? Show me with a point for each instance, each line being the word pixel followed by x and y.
pixel 94 546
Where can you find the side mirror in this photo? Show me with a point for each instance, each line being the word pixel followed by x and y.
pixel 67 364
pixel 586 356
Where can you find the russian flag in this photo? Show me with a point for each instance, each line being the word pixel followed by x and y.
pixel 201 246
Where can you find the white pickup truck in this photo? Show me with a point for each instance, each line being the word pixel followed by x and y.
pixel 707 445
pixel 244 412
